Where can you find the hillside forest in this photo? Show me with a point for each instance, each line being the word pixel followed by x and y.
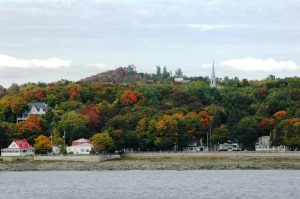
pixel 150 112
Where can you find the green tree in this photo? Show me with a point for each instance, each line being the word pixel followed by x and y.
pixel 102 142
pixel 246 132
pixel 178 72
pixel 234 117
pixel 75 126
pixel 220 134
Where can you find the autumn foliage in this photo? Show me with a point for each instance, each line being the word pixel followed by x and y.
pixel 131 97
pixel 93 114
pixel 39 95
pixel 267 123
pixel 280 114
pixel 74 91
pixel 42 144
pixel 29 127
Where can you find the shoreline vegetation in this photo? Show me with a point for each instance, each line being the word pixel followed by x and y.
pixel 193 161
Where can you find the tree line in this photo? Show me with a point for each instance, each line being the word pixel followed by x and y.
pixel 155 116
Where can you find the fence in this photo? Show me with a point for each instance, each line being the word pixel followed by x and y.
pixel 78 158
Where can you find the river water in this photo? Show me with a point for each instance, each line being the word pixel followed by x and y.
pixel 151 184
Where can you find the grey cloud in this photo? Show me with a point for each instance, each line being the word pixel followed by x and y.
pixel 185 33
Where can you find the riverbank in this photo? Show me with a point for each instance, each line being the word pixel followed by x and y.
pixel 159 163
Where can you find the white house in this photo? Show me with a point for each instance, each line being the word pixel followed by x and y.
pixel 229 147
pixel 81 146
pixel 264 144
pixel 18 148
pixel 36 108
pixel 195 146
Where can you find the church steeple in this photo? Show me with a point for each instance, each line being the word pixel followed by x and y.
pixel 213 77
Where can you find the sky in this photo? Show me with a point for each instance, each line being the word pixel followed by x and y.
pixel 49 40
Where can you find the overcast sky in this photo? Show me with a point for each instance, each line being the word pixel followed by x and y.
pixel 47 40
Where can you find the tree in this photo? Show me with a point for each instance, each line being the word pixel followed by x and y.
pixel 267 124
pixel 131 97
pixel 158 71
pixel 57 139
pixel 74 91
pixel 29 128
pixel 118 138
pixel 280 114
pixel 102 142
pixel 93 114
pixel 287 133
pixel 3 137
pixel 280 100
pixel 131 69
pixel 42 144
pixel 218 119
pixel 220 134
pixel 234 117
pixel 75 126
pixel 167 132
pixel 165 73
pixel 178 72
pixel 246 132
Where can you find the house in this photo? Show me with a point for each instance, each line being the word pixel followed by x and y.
pixel 264 144
pixel 18 148
pixel 229 147
pixel 35 108
pixel 195 146
pixel 81 146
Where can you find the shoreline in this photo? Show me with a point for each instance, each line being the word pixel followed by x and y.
pixel 218 162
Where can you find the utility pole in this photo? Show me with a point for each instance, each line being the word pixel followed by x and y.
pixel 210 136
pixel 64 137
pixel 207 141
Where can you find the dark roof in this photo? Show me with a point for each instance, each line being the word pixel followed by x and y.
pixel 193 143
pixel 38 105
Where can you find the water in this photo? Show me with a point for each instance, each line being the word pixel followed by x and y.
pixel 151 184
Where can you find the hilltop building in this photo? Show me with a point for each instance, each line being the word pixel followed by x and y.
pixel 35 108
pixel 180 80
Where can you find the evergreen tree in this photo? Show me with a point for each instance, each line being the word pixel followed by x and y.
pixel 234 117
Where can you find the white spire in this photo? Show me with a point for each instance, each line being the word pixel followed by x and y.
pixel 213 77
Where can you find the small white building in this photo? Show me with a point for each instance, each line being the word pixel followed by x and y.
pixel 36 108
pixel 55 150
pixel 180 80
pixel 18 148
pixel 229 147
pixel 81 146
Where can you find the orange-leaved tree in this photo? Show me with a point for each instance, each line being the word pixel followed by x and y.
pixel 280 114
pixel 29 128
pixel 42 144
pixel 131 97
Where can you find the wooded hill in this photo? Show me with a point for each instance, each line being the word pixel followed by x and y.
pixel 125 109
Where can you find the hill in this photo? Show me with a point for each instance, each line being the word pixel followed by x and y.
pixel 119 75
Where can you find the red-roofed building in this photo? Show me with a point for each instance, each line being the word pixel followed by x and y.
pixel 18 148
pixel 80 146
